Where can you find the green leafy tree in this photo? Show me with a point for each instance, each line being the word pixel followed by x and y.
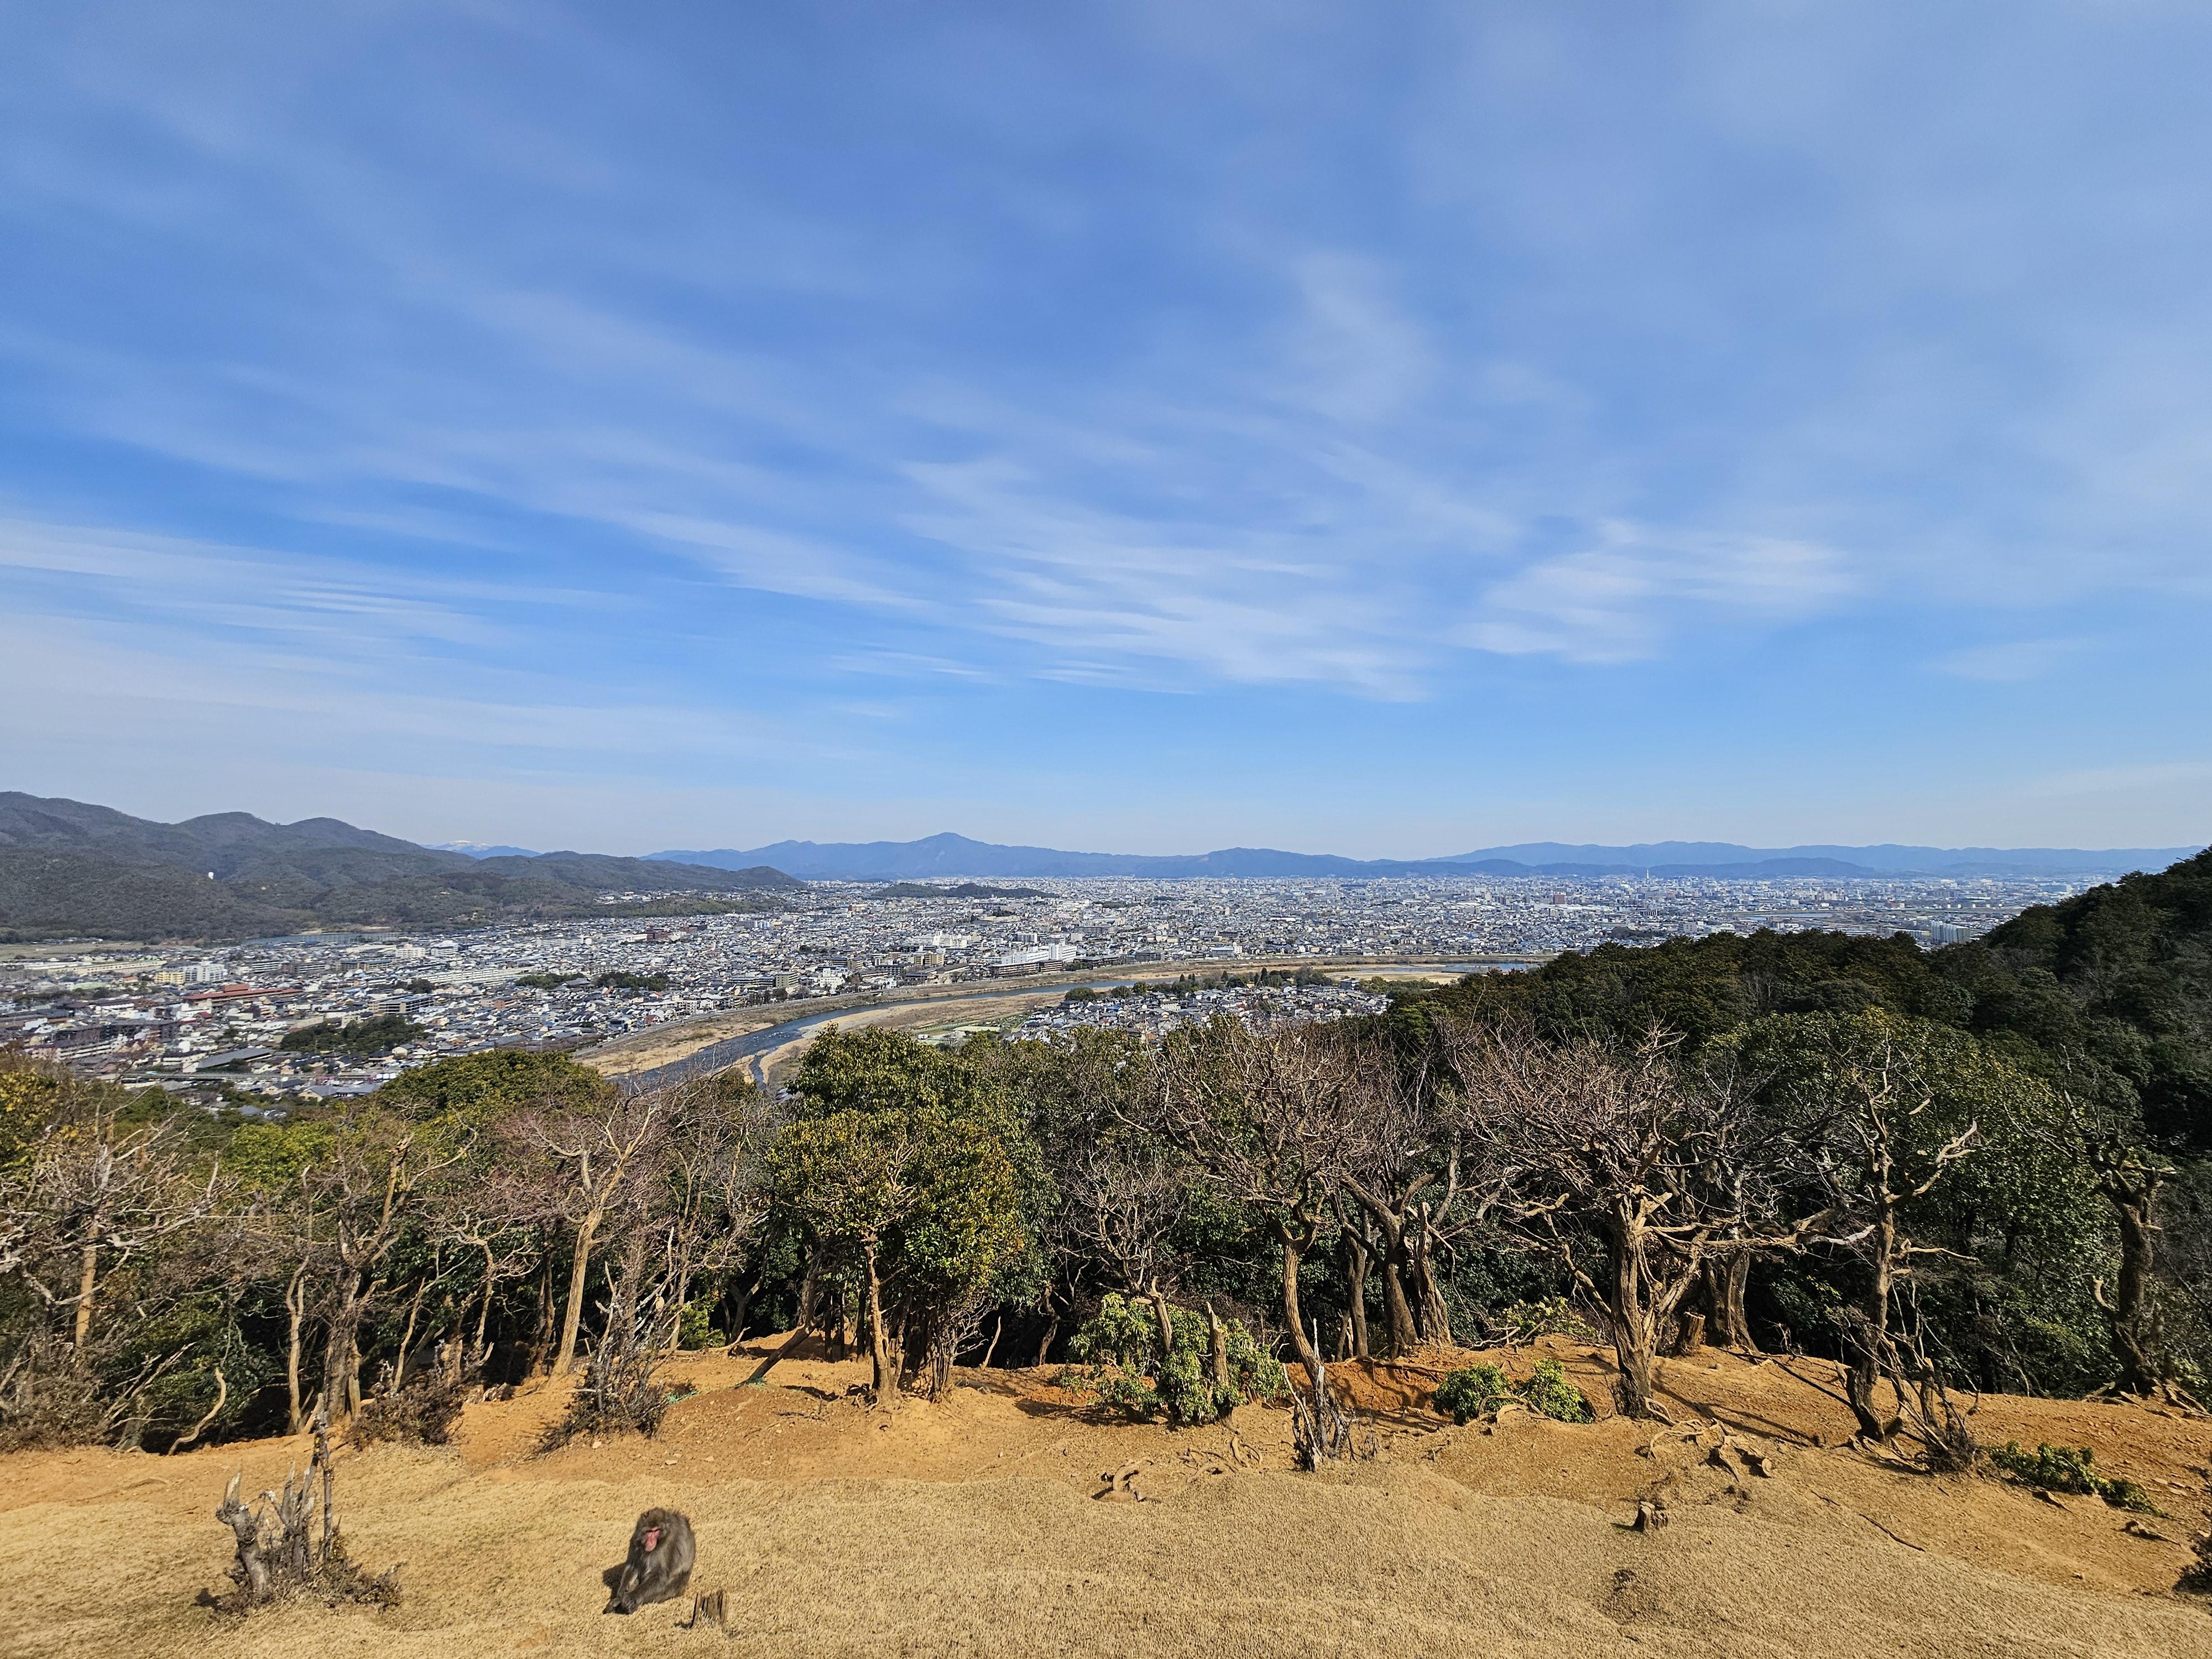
pixel 911 1163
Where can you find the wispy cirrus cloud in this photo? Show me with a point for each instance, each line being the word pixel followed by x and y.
pixel 1619 601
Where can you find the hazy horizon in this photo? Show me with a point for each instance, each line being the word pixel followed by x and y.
pixel 1134 428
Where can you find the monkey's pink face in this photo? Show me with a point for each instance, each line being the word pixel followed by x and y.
pixel 651 1540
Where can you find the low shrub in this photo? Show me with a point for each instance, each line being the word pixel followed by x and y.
pixel 621 1393
pixel 1126 1370
pixel 1473 1391
pixel 2071 1469
pixel 695 1327
pixel 422 1413
pixel 1476 1390
pixel 1549 1393
pixel 289 1547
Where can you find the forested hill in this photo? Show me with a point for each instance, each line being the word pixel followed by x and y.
pixel 2122 973
pixel 2112 989
pixel 72 870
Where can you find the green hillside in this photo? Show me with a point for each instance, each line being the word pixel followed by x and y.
pixel 2112 988
pixel 68 869
pixel 2122 974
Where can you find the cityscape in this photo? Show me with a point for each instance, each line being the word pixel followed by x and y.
pixel 265 1023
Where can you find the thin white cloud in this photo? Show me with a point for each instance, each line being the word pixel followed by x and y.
pixel 1619 601
pixel 2008 662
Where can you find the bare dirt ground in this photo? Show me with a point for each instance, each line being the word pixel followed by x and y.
pixel 968 1527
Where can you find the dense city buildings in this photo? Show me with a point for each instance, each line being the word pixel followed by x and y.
pixel 326 1015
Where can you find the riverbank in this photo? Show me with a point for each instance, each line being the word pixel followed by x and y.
pixel 650 1055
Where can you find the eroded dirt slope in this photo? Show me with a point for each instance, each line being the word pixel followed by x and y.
pixel 969 1526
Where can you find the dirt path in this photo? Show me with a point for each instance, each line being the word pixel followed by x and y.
pixel 968 1527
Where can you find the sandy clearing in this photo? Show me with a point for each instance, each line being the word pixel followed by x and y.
pixel 968 1527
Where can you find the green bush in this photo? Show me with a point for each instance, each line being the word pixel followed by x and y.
pixel 363 1038
pixel 1476 1390
pixel 1126 1369
pixel 1473 1391
pixel 1549 1393
pixel 2069 1468
pixel 695 1327
pixel 632 984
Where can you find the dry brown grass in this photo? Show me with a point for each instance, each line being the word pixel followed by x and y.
pixel 967 1527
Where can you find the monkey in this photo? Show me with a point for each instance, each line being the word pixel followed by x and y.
pixel 659 1562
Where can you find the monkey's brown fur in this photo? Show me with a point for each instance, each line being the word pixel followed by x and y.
pixel 659 1562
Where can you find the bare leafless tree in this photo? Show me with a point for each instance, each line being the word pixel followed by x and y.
pixel 1263 1120
pixel 92 1194
pixel 362 1196
pixel 1404 1166
pixel 1630 1169
pixel 1872 1101
pixel 590 1155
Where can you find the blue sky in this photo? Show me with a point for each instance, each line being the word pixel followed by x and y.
pixel 1381 429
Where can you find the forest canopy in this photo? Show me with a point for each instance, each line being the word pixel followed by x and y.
pixel 1978 1167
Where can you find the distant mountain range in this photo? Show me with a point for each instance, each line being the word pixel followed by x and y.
pixel 69 870
pixel 956 856
pixel 72 870
pixel 478 849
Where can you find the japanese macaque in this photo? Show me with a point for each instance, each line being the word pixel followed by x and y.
pixel 659 1562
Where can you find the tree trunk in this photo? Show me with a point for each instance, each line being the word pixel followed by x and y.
pixel 1164 1323
pixel 1396 1309
pixel 883 1359
pixel 1044 1347
pixel 939 1353
pixel 808 1287
pixel 1435 1316
pixel 1635 1330
pixel 1294 1249
pixel 88 1279
pixel 1404 1330
pixel 341 1354
pixel 407 1335
pixel 295 1315
pixel 2133 1343
pixel 1725 1278
pixel 1216 1347
pixel 740 1305
pixel 1355 1289
pixel 1867 1345
pixel 541 1328
pixel 580 1263
pixel 483 1314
